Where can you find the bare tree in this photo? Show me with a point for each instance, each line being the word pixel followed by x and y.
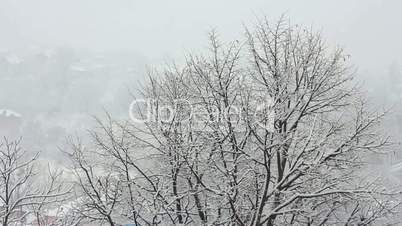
pixel 113 185
pixel 20 193
pixel 269 131
pixel 98 191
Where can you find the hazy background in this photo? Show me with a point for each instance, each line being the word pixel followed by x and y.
pixel 62 61
pixel 369 29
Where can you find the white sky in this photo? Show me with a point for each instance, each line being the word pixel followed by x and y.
pixel 370 30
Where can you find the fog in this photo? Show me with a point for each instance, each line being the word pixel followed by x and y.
pixel 80 58
pixel 303 148
pixel 368 29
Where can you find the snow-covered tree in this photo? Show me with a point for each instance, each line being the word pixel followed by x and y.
pixel 266 131
pixel 24 190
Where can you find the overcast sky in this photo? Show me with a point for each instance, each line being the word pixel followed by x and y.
pixel 370 30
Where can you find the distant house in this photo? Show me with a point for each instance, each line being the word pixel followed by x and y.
pixel 10 123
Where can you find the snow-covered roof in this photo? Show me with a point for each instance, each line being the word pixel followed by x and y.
pixel 13 59
pixel 78 68
pixel 9 113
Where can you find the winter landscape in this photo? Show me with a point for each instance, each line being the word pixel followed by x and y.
pixel 159 113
